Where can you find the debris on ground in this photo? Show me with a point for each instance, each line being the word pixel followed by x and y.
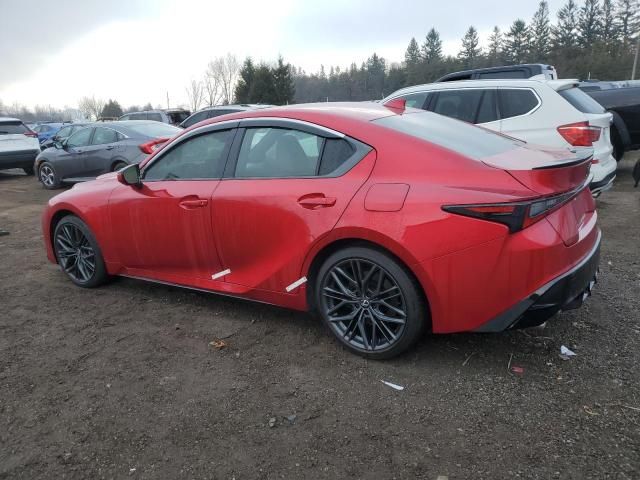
pixel 565 353
pixel 272 422
pixel 3 233
pixel 468 358
pixel 393 385
pixel 218 344
pixel 517 370
pixel 589 411
pixel 291 418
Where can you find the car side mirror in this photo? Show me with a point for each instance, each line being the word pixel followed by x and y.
pixel 58 144
pixel 130 176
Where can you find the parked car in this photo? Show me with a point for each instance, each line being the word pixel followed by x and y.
pixel 172 116
pixel 98 149
pixel 536 71
pixel 47 130
pixel 385 222
pixel 18 145
pixel 624 104
pixel 65 132
pixel 211 112
pixel 552 113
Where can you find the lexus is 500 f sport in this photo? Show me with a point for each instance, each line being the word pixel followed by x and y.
pixel 386 221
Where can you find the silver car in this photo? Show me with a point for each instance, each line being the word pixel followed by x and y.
pixel 100 148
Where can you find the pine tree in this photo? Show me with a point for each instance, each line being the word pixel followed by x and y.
pixel 245 82
pixel 496 43
pixel 412 62
pixel 262 87
pixel 432 47
pixel 111 109
pixel 564 32
pixel 470 49
pixel 283 83
pixel 628 17
pixel 518 41
pixel 540 33
pixel 609 27
pixel 589 29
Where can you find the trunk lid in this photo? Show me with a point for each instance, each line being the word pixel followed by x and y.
pixel 549 172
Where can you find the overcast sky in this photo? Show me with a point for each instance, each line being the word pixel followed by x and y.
pixel 135 51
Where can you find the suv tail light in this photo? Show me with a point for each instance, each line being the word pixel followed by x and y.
pixel 152 146
pixel 30 134
pixel 580 134
pixel 516 215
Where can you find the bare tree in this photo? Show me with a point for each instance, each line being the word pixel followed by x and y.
pixel 91 107
pixel 224 74
pixel 195 94
pixel 212 89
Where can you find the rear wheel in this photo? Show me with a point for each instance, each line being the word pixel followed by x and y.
pixel 48 176
pixel 370 302
pixel 78 252
pixel 616 143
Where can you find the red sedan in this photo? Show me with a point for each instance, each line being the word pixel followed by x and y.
pixel 387 222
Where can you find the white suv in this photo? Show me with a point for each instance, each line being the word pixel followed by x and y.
pixel 19 146
pixel 552 113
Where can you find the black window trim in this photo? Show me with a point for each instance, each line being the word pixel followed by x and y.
pixel 504 87
pixel 174 143
pixel 360 150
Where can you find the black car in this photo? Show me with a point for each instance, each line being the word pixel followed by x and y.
pixel 216 111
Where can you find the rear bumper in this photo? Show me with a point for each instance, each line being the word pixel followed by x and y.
pixel 18 159
pixel 603 185
pixel 564 292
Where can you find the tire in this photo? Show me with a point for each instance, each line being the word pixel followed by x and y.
pixel 119 166
pixel 382 323
pixel 48 176
pixel 616 143
pixel 29 171
pixel 78 253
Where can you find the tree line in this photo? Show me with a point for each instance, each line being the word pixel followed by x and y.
pixel 594 39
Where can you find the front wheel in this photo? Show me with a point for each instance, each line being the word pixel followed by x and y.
pixel 370 302
pixel 48 176
pixel 78 252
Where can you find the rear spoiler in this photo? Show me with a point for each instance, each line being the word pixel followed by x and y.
pixel 577 159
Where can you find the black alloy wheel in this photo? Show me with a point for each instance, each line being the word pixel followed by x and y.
pixel 370 304
pixel 78 253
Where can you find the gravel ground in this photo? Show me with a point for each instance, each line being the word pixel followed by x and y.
pixel 121 382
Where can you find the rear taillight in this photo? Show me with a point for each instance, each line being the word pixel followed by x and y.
pixel 152 146
pixel 516 215
pixel 580 134
pixel 30 134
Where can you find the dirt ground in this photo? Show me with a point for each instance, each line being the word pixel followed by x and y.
pixel 121 382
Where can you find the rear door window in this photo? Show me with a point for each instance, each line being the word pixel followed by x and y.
pixel 460 104
pixel 103 136
pixel 581 101
pixel 515 102
pixel 336 151
pixel 488 110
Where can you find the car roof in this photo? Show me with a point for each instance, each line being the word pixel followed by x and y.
pixel 503 82
pixel 9 119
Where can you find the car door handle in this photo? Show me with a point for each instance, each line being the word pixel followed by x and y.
pixel 110 147
pixel 316 201
pixel 190 204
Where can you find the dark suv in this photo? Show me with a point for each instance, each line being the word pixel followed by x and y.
pixel 216 111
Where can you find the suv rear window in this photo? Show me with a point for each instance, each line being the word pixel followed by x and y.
pixel 581 101
pixel 8 128
pixel 446 132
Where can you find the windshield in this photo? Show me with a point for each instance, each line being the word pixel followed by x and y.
pixel 581 101
pixel 460 137
pixel 154 129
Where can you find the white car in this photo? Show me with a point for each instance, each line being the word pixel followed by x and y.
pixel 551 113
pixel 19 146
